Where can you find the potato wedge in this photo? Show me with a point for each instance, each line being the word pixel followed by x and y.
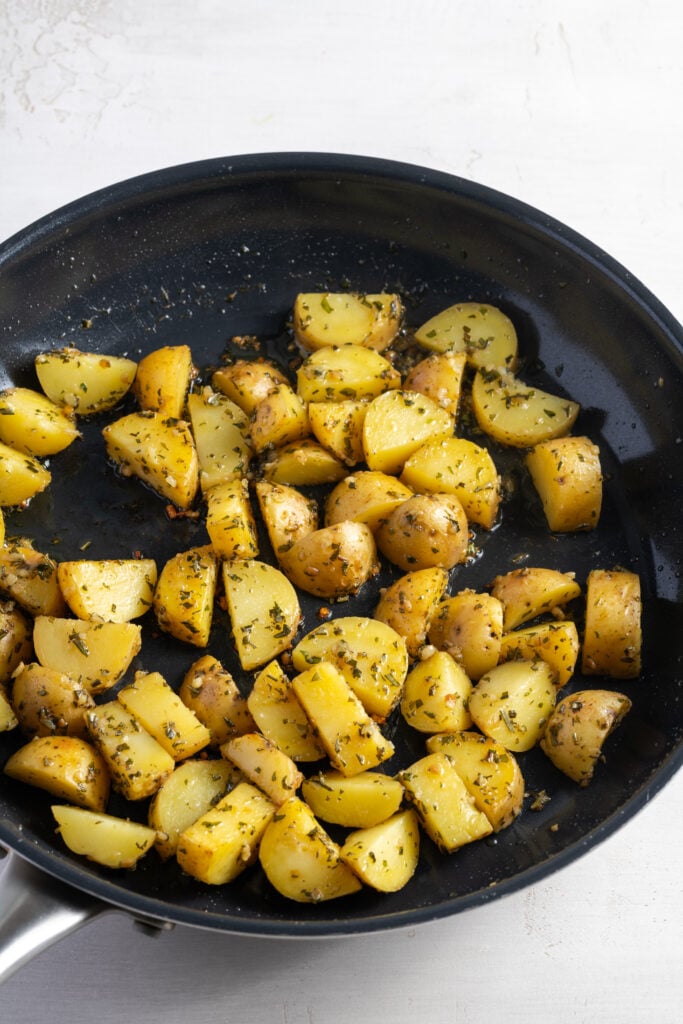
pixel 103 838
pixel 29 577
pixel 192 789
pixel 184 595
pixel 280 418
pixel 426 531
pixel 567 475
pixel 212 694
pixel 469 625
pixel 246 382
pixel 219 428
pixel 355 801
pixel 612 639
pixel 87 382
pixel 288 515
pixel 435 695
pixel 299 858
pixel 483 332
pixel 410 603
pixel 230 520
pixel 137 763
pixel 68 767
pixel 339 427
pixel 367 496
pixel 385 856
pixel 532 591
pixel 33 424
pixel 399 422
pixel 159 709
pixel 321 319
pixel 8 719
pixel 556 643
pixel 163 380
pixel 457 466
pixel 304 463
pixel 439 376
pixel 49 703
pixel 445 807
pixel 110 590
pixel 578 728
pixel 158 450
pixel 16 641
pixel 264 611
pixel 97 654
pixel 264 765
pixel 345 373
pixel 517 414
pixel 279 715
pixel 334 561
pixel 21 477
pixel 513 702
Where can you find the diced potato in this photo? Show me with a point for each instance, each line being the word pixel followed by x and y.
pixel 88 382
pixel 280 418
pixel 397 423
pixel 410 603
pixel 516 414
pixel 103 838
pixel 230 521
pixel 578 728
pixel 371 656
pixel 483 332
pixel 8 719
pixel 213 695
pixel 304 463
pixel 220 844
pixel 288 515
pixel 445 807
pixel 29 577
pixel 68 767
pixel 567 475
pixel 439 376
pixel 557 643
pixel 16 641
pixel 513 702
pixel 21 477
pixel 368 496
pixel 191 790
pixel 612 638
pixel 159 709
pixel 264 764
pixel 339 427
pixel 321 319
pixel 247 382
pixel 110 590
pixel 469 625
pixel 334 561
pixel 426 531
pixel 264 610
pixel 345 373
pixel 385 856
pixel 531 591
pixel 97 654
pixel 435 695
pixel 33 424
pixel 490 772
pixel 219 428
pixel 184 595
pixel 279 715
pixel 353 741
pixel 460 467
pixel 300 860
pixel 163 379
pixel 158 450
pixel 49 703
pixel 137 762
pixel 356 801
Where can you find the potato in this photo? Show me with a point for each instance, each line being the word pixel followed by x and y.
pixel 445 807
pixel 435 695
pixel 264 765
pixel 219 428
pixel 304 463
pixel 192 789
pixel 356 801
pixel 426 531
pixel 556 643
pixel 33 424
pixel 321 319
pixel 21 477
pixel 184 595
pixel 578 728
pixel 385 856
pixel 516 414
pixel 29 577
pixel 264 610
pixel 483 332
pixel 397 423
pixel 345 372
pixel 8 719
pixel 247 382
pixel 352 740
pixel 439 377
pixel 163 379
pixel 16 641
pixel 280 418
pixel 339 427
pixel 159 709
pixel 371 656
pixel 280 717
pixel 68 767
pixel 158 450
pixel 2 528
pixel 288 515
pixel 230 520
pixel 110 590
pixel 512 703
pixel 219 845
pixel 137 762
pixel 103 838
pixel 213 695
pixel 300 860
pixel 97 654
pixel 490 772
pixel 367 496
pixel 460 467
pixel 531 591
pixel 49 703
pixel 567 475
pixel 469 625
pixel 334 561
pixel 612 639
pixel 410 603
pixel 87 382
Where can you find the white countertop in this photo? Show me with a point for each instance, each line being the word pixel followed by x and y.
pixel 574 108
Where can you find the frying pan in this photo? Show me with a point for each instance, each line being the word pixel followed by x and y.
pixel 207 252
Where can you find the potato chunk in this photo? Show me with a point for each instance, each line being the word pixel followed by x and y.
pixel 280 418
pixel 397 423
pixel 426 531
pixel 192 789
pixel 531 591
pixel 219 428
pixel 87 382
pixel 339 427
pixel 469 625
pixel 556 643
pixel 213 695
pixel 16 642
pixel 264 610
pixel 247 382
pixel 8 719
pixel 439 377
pixel 184 595
pixel 367 496
pixel 321 319
pixel 33 424
pixel 446 809
pixel 110 590
pixel 613 634
pixel 516 414
pixel 288 515
pixel 578 728
pixel 137 763
pixel 410 603
pixel 103 838
pixel 163 379
pixel 457 466
pixel 153 703
pixel 304 463
pixel 334 561
pixel 280 716
pixel 29 577
pixel 68 767
pixel 97 654
pixel 345 372
pixel 264 764
pixel 355 801
pixel 567 475
pixel 49 703
pixel 512 703
pixel 483 332
pixel 230 520
pixel 435 695
pixel 385 856
pixel 21 477
pixel 159 451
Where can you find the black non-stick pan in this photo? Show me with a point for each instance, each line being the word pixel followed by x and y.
pixel 211 251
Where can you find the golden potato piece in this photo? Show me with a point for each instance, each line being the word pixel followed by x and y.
pixel 556 643
pixel 68 767
pixel 446 809
pixel 33 424
pixel 304 463
pixel 435 695
pixel 439 377
pixel 321 319
pixel 457 466
pixel 280 418
pixel 355 801
pixel 103 838
pixel 531 591
pixel 230 520
pixel 345 372
pixel 264 765
pixel 410 603
pixel 483 332
pixel 29 577
pixel 513 702
pixel 220 430
pixel 469 625
pixel 110 590
pixel 137 762
pixel 612 639
pixel 264 610
pixel 288 515
pixel 385 856
pixel 8 719
pixel 21 477
pixel 425 531
pixel 184 595
pixel 159 709
pixel 247 382
pixel 158 450
pixel 397 423
pixel 367 496
pixel 517 414
pixel 567 475
pixel 97 654
pixel 16 641
pixel 334 561
pixel 49 703
pixel 213 695
pixel 578 728
pixel 279 715
pixel 339 427
pixel 163 380
pixel 87 382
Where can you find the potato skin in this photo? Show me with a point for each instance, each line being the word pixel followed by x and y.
pixel 577 729
pixel 567 475
pixel 333 561
pixel 426 531
pixel 612 637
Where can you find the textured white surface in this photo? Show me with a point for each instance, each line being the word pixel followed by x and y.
pixel 574 108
